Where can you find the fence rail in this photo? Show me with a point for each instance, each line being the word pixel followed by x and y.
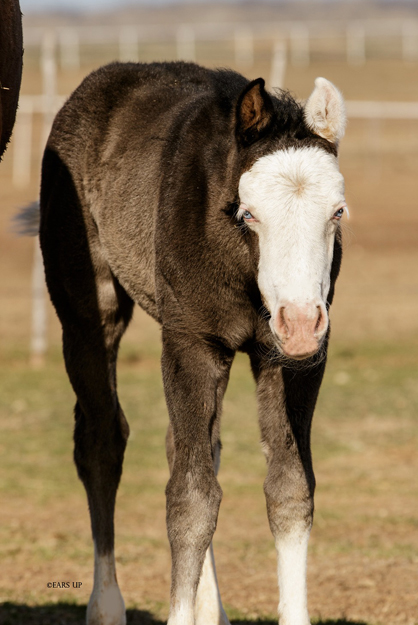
pixel 364 109
pixel 41 104
pixel 291 42
pixel 298 35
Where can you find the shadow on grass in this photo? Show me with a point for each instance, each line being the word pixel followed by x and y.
pixel 69 614
pixel 274 622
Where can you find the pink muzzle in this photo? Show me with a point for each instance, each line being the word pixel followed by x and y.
pixel 301 328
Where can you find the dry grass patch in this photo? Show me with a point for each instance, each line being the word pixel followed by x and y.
pixel 364 547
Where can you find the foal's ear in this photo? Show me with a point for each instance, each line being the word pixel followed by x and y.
pixel 325 111
pixel 254 113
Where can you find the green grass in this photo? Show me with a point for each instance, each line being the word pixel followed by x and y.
pixel 365 437
pixel 368 401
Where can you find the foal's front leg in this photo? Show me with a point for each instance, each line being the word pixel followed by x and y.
pixel 194 381
pixel 208 604
pixel 286 403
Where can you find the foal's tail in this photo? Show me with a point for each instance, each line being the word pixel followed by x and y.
pixel 26 222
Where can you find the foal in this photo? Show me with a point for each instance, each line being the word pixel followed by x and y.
pixel 215 207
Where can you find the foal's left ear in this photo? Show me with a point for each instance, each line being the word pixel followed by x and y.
pixel 254 113
pixel 325 111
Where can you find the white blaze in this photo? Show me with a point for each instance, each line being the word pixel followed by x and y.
pixel 293 194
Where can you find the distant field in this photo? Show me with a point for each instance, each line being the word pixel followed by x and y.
pixel 363 563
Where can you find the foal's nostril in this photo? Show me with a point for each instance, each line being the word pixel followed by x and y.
pixel 321 322
pixel 282 324
pixel 318 321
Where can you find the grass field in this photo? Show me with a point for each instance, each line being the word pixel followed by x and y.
pixel 363 559
pixel 364 545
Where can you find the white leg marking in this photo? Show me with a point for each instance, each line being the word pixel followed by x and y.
pixel 181 613
pixel 208 607
pixel 106 605
pixel 292 551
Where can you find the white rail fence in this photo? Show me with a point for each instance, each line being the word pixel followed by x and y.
pixel 22 146
pixel 49 102
pixel 363 109
pixel 31 105
pixel 298 35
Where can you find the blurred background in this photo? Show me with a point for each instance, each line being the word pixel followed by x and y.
pixel 363 564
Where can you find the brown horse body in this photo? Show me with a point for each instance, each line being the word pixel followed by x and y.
pixel 215 207
pixel 11 55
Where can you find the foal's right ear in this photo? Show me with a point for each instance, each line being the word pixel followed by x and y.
pixel 254 113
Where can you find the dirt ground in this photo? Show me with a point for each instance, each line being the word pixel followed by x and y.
pixel 364 545
pixel 363 565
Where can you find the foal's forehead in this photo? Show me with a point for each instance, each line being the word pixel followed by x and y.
pixel 307 173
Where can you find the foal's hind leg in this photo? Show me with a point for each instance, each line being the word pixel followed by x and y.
pixel 94 311
pixel 100 436
pixel 208 606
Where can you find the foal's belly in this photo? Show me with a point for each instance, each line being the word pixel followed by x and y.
pixel 132 262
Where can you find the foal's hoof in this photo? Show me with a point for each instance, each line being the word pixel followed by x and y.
pixel 106 607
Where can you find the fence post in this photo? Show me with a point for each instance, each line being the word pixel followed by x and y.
pixel 128 44
pixel 186 44
pixel 39 322
pixel 38 343
pixel 356 44
pixel 410 41
pixel 69 48
pixel 22 144
pixel 49 82
pixel 299 45
pixel 278 65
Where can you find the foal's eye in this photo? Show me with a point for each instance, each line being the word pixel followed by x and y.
pixel 338 214
pixel 245 215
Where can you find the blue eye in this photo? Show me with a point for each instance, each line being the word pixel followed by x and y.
pixel 247 215
pixel 339 213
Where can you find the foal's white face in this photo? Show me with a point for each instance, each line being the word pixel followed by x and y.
pixel 293 199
